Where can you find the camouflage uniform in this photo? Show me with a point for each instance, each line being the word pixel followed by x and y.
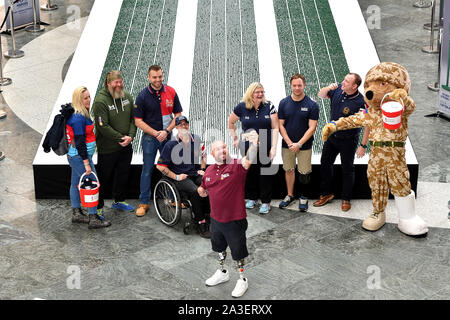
pixel 387 167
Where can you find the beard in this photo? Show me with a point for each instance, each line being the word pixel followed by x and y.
pixel 116 94
pixel 183 134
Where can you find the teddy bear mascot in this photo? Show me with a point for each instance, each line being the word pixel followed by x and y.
pixel 386 93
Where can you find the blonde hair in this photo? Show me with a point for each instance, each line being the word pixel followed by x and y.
pixel 77 102
pixel 248 96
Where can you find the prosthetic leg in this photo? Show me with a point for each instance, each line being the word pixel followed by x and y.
pixel 408 221
pixel 221 275
pixel 242 284
pixel 303 201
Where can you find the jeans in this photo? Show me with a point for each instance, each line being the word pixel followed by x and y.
pixel 150 146
pixel 77 165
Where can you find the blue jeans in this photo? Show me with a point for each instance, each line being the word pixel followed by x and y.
pixel 150 146
pixel 77 165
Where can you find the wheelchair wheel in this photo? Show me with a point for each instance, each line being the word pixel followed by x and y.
pixel 167 201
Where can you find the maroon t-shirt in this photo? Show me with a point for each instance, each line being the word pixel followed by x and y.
pixel 225 184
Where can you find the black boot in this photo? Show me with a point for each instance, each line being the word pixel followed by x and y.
pixel 78 216
pixel 96 222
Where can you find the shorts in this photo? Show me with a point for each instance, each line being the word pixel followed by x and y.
pixel 303 160
pixel 230 234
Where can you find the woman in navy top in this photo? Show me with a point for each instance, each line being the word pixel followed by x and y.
pixel 256 113
pixel 81 138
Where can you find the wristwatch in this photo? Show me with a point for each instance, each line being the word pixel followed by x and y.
pixel 168 132
pixel 363 145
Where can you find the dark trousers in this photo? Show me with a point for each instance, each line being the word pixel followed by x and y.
pixel 259 180
pixel 346 147
pixel 257 184
pixel 200 206
pixel 113 170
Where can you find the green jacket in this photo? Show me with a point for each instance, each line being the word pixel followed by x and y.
pixel 113 120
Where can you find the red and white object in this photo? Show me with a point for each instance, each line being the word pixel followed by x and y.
pixel 392 113
pixel 89 197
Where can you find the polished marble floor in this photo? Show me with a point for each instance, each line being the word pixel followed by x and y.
pixel 322 254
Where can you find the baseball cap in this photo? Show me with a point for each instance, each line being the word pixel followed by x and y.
pixel 179 119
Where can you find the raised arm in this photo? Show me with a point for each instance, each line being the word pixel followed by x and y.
pixel 232 119
pixel 252 152
pixel 323 93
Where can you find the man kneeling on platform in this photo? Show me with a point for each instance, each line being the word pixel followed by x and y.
pixel 183 160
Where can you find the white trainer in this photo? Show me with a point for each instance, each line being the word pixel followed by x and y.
pixel 219 277
pixel 240 288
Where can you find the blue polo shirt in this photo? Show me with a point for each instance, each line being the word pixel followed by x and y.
pixel 343 105
pixel 258 120
pixel 156 108
pixel 296 116
pixel 181 158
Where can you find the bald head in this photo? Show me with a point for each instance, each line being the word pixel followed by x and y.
pixel 219 151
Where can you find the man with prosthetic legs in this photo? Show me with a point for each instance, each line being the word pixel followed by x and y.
pixel 223 181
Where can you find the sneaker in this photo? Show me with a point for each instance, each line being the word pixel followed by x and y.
pixel 123 206
pixel 78 216
pixel 240 288
pixel 203 230
pixel 265 208
pixel 250 204
pixel 219 277
pixel 303 204
pixel 375 221
pixel 286 201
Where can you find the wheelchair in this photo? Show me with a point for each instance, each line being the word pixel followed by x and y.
pixel 169 204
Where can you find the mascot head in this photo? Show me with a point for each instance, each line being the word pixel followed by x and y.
pixel 382 79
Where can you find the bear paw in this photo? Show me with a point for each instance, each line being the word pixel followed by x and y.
pixel 398 95
pixel 328 130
